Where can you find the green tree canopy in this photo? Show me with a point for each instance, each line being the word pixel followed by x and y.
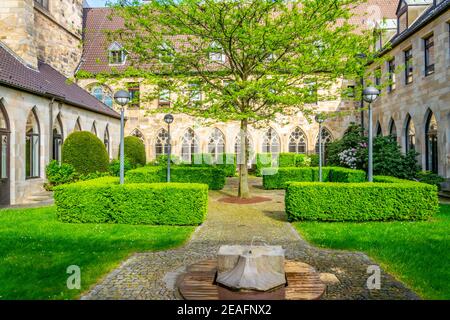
pixel 246 61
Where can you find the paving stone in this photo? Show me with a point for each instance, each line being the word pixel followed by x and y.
pixel 152 275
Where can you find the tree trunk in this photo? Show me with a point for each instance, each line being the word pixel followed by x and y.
pixel 243 191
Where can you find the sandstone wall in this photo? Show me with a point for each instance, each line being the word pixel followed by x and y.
pixel 424 94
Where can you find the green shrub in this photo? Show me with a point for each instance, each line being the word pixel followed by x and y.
pixel 265 160
pixel 134 150
pixel 388 158
pixel 145 175
pixel 302 160
pixel 326 177
pixel 277 178
pixel 93 175
pixel 114 167
pixel 404 200
pixel 58 174
pixel 212 176
pixel 314 160
pixel 105 201
pixel 85 152
pixel 227 162
pixel 430 178
pixel 286 160
pixel 161 160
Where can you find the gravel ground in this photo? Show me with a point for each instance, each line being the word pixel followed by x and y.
pixel 152 275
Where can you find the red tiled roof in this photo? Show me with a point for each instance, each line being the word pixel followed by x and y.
pixel 46 81
pixel 98 20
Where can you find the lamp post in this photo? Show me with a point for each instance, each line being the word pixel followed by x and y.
pixel 370 94
pixel 122 97
pixel 168 118
pixel 319 119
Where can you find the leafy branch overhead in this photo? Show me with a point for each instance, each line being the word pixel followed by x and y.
pixel 242 60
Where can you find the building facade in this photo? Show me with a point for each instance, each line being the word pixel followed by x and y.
pixel 40 47
pixel 189 135
pixel 414 105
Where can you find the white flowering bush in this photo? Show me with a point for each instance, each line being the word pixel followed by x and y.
pixel 348 158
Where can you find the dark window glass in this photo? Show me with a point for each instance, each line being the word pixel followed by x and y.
pixel 133 90
pixel 408 66
pixel 429 55
pixel 410 135
pixel 391 70
pixel 42 3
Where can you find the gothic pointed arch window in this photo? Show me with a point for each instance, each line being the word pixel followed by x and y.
pixel 271 142
pixel 410 134
pixel 162 143
pixel 77 125
pixel 94 129
pixel 32 146
pixel 326 139
pixel 216 144
pixel 237 148
pixel 4 156
pixel 393 129
pixel 102 93
pixel 431 138
pixel 189 145
pixel 379 130
pixel 57 139
pixel 137 133
pixel 106 140
pixel 297 141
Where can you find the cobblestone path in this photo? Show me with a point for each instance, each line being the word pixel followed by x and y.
pixel 152 275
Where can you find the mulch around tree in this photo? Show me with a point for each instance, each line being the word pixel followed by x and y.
pixel 237 200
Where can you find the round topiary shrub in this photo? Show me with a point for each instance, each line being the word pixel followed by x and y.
pixel 85 152
pixel 134 151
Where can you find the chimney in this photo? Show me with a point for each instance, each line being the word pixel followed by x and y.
pixel 17 29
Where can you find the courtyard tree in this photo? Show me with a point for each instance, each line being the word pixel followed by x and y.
pixel 251 61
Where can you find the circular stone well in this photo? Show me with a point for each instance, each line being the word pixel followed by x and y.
pixel 199 283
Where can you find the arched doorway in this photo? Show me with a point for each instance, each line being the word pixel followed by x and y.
pixel 4 157
pixel 431 138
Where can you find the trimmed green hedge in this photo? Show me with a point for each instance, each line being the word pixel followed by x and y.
pixel 277 178
pixel 145 175
pixel 134 150
pixel 212 176
pixel 264 160
pixel 225 161
pixel 85 152
pixel 105 201
pixel 378 201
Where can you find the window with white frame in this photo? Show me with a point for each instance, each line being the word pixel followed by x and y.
pixel 116 54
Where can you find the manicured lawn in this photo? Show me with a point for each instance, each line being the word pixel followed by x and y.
pixel 36 249
pixel 417 253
